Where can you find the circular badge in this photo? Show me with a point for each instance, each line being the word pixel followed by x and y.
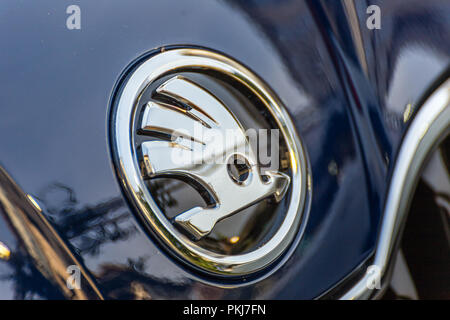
pixel 210 160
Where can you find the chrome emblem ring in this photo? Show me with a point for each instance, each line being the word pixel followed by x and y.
pixel 163 118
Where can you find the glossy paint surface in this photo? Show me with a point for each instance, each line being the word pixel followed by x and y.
pixel 349 90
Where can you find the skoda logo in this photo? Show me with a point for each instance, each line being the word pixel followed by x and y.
pixel 210 161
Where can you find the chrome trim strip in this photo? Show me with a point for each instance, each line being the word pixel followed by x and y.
pixel 126 164
pixel 431 123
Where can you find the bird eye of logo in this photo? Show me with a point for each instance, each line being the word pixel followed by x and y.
pixel 168 124
pixel 212 174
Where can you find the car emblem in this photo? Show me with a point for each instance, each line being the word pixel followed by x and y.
pixel 186 116
pixel 210 113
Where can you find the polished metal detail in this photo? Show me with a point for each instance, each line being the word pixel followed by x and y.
pixel 177 105
pixel 5 253
pixel 428 127
pixel 207 111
